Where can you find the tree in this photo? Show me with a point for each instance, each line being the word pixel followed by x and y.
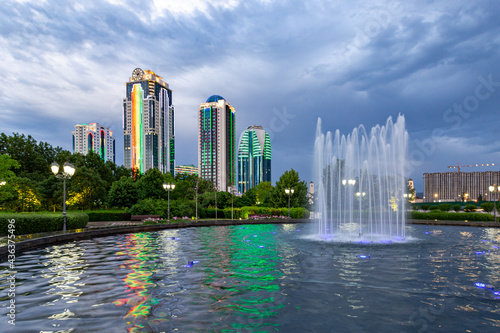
pixel 34 158
pixel 290 179
pixel 86 189
pixel 263 192
pixel 249 198
pixel 7 191
pixel 150 185
pixel 27 197
pixel 50 190
pixel 123 193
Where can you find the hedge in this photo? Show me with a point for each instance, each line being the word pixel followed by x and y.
pixel 108 215
pixel 31 223
pixel 438 215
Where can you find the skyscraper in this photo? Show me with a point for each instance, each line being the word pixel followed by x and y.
pixel 96 138
pixel 254 158
pixel 148 123
pixel 216 142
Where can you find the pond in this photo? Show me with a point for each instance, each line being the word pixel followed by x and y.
pixel 259 278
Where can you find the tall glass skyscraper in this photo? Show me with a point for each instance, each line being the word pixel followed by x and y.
pixel 148 123
pixel 94 137
pixel 254 158
pixel 216 142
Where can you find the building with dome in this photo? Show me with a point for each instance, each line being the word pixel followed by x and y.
pixel 217 142
pixel 254 158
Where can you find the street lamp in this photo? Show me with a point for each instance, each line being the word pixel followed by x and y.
pixel 496 189
pixel 196 200
pixel 289 191
pixel 435 197
pixel 349 181
pixel 231 189
pixel 68 172
pixel 2 182
pixel 169 187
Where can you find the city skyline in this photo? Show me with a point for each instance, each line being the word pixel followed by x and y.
pixel 348 63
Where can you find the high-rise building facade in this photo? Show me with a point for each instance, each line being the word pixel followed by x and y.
pixel 254 158
pixel 186 169
pixel 459 186
pixel 216 142
pixel 96 138
pixel 148 123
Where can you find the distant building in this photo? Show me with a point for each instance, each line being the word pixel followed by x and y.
pixel 148 123
pixel 96 138
pixel 254 158
pixel 459 186
pixel 310 193
pixel 187 169
pixel 216 142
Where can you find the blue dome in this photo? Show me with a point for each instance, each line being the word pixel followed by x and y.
pixel 214 99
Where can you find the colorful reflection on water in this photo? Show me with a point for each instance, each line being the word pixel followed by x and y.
pixel 259 278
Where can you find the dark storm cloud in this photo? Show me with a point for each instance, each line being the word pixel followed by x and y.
pixel 282 64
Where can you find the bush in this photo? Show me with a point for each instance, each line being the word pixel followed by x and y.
pixel 445 207
pixel 150 206
pixel 31 223
pixel 451 216
pixel 457 208
pixel 470 208
pixel 108 215
pixel 236 213
pixel 432 208
pixel 425 207
pixel 487 206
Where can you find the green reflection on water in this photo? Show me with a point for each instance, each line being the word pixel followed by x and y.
pixel 243 278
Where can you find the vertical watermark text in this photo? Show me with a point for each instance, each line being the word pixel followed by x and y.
pixel 11 258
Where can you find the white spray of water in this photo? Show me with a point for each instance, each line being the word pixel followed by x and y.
pixel 361 183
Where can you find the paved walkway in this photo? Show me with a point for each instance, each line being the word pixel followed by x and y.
pixel 106 224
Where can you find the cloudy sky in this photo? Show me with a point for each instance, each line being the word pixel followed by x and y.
pixel 281 64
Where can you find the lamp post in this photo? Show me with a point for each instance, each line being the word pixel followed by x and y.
pixel 289 191
pixel 67 173
pixel 435 197
pixel 2 182
pixel 494 189
pixel 196 200
pixel 231 189
pixel 216 204
pixel 169 187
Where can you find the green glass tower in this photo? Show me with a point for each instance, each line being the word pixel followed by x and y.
pixel 254 158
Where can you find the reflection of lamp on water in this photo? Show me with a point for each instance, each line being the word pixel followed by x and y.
pixel 494 189
pixel 289 191
pixel 68 172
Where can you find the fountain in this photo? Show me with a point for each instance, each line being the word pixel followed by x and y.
pixel 361 183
